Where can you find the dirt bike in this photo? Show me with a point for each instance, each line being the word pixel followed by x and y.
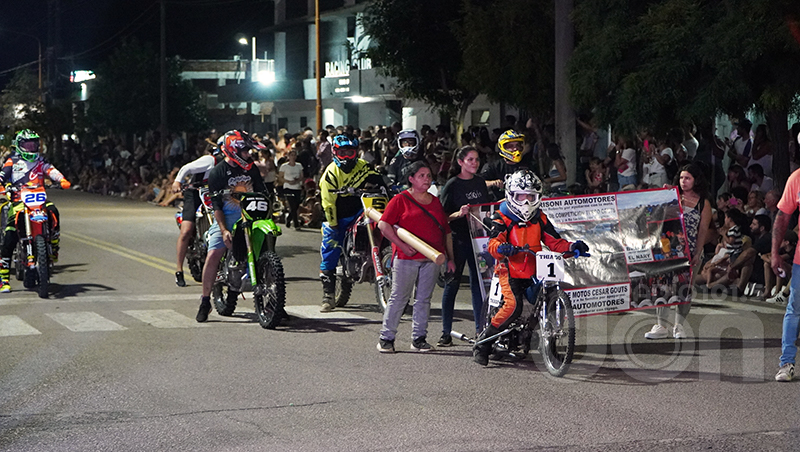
pixel 253 262
pixel 32 258
pixel 547 321
pixel 198 245
pixel 366 254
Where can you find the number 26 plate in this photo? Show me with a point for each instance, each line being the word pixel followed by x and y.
pixel 549 266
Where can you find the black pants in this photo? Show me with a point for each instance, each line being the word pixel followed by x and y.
pixel 293 198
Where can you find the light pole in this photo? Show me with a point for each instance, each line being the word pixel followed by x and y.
pixel 243 41
pixel 317 70
pixel 40 56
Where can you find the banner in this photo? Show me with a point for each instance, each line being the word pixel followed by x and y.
pixel 639 254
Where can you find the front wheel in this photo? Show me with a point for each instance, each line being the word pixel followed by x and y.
pixel 557 333
pixel 196 257
pixel 344 288
pixel 383 291
pixel 223 297
pixel 270 292
pixel 42 266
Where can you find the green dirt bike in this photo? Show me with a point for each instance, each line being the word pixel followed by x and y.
pixel 252 262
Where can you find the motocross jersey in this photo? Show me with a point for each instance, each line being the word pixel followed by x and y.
pixel 18 172
pixel 199 169
pixel 344 205
pixel 506 227
pixel 225 176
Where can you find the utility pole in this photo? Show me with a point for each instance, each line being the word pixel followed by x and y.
pixel 317 70
pixel 565 115
pixel 163 60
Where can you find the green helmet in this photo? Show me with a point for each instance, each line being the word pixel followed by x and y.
pixel 27 144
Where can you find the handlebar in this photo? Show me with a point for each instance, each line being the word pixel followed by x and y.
pixel 360 191
pixel 526 249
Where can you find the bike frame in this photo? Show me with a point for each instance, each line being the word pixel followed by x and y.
pixel 258 233
pixel 34 201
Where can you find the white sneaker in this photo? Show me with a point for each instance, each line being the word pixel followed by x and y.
pixel 778 298
pixel 677 332
pixel 785 373
pixel 657 332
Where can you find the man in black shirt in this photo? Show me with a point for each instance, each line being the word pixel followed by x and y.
pixel 749 267
pixel 511 146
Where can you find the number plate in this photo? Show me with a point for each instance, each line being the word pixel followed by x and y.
pixel 549 266
pixel 495 294
pixel 34 198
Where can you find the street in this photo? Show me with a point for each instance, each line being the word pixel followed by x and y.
pixel 114 360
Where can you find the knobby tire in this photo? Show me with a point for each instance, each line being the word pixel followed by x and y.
pixel 272 290
pixel 557 344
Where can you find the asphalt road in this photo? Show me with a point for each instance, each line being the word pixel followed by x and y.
pixel 114 360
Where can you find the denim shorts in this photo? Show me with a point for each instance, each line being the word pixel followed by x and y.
pixel 215 241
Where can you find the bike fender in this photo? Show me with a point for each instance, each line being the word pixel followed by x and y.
pixel 262 229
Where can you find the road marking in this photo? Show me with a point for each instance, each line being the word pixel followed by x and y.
pixel 312 312
pixel 80 322
pixel 11 325
pixel 142 258
pixel 164 318
pixel 98 298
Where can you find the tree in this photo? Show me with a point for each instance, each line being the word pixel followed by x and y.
pixel 655 64
pixel 126 97
pixel 508 53
pixel 416 43
pixel 20 103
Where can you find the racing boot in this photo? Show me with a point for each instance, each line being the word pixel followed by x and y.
pixel 328 278
pixel 480 352
pixel 5 263
pixel 54 241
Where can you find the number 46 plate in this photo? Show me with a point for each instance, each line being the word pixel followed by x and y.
pixel 549 266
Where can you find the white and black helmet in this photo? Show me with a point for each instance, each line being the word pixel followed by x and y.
pixel 523 193
pixel 409 152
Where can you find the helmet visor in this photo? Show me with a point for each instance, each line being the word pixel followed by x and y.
pixel 513 146
pixel 30 146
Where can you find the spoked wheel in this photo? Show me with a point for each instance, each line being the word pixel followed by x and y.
pixel 557 333
pixel 196 257
pixel 384 290
pixel 223 298
pixel 344 287
pixel 270 293
pixel 42 266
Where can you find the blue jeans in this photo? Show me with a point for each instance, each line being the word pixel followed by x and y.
pixel 462 250
pixel 332 238
pixel 791 320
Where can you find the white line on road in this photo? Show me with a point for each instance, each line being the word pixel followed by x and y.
pixel 164 318
pixel 11 325
pixel 85 321
pixel 142 258
pixel 98 298
pixel 312 312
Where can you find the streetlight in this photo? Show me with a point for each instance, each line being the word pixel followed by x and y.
pixel 40 56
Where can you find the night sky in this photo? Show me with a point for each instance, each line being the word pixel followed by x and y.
pixel 91 29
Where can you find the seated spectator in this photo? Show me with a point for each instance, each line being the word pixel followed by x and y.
pixel 755 204
pixel 737 177
pixel 739 200
pixel 596 176
pixel 749 268
pixel 771 203
pixel 774 285
pixel 761 182
pixel 715 271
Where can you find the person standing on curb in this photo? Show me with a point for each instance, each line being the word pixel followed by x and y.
pixel 786 207
pixel 421 214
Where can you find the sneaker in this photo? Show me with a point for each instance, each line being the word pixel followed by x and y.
pixel 421 345
pixel 785 373
pixel 657 332
pixel 778 298
pixel 385 346
pixel 5 287
pixel 179 281
pixel 205 309
pixel 677 332
pixel 445 341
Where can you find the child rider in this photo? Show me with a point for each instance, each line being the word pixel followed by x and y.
pixel 519 222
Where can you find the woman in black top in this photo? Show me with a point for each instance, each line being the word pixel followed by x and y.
pixel 463 188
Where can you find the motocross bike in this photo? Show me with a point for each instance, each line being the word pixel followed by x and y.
pixel 547 321
pixel 366 254
pixel 198 244
pixel 32 261
pixel 252 262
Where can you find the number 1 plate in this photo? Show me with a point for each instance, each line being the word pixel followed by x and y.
pixel 495 295
pixel 549 266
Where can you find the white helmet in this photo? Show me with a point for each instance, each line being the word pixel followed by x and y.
pixel 523 193
pixel 409 152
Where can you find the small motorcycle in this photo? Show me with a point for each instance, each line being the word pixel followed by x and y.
pixel 198 245
pixel 252 263
pixel 32 261
pixel 366 254
pixel 547 321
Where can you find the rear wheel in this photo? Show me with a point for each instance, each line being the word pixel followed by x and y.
pixel 270 293
pixel 196 257
pixel 224 299
pixel 557 333
pixel 42 266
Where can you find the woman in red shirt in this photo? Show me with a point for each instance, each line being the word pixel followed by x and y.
pixel 421 214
